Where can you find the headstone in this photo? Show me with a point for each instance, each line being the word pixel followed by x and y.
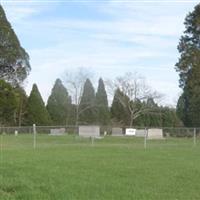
pixel 89 131
pixel 57 131
pixel 117 132
pixel 155 134
pixel 16 132
pixel 130 131
pixel 140 133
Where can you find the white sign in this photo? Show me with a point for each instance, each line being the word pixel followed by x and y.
pixel 130 131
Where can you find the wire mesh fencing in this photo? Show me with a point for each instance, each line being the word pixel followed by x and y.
pixel 54 136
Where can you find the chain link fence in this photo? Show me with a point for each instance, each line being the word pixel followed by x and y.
pixel 40 136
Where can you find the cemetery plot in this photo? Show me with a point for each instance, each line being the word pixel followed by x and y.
pixel 117 131
pixel 89 131
pixel 57 132
pixel 65 168
pixel 155 134
pixel 140 133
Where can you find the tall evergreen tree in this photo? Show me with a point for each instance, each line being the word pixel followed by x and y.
pixel 36 110
pixel 14 61
pixel 170 118
pixel 8 104
pixel 87 104
pixel 59 104
pixel 119 113
pixel 181 109
pixel 21 111
pixel 103 115
pixel 151 119
pixel 188 67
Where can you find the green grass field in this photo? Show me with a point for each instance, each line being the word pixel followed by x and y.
pixel 67 167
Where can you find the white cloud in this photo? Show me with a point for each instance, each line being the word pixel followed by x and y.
pixel 16 12
pixel 107 61
pixel 170 90
pixel 164 26
pixel 134 37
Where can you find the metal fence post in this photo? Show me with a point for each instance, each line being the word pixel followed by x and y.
pixel 1 148
pixel 92 139
pixel 145 139
pixel 194 137
pixel 34 136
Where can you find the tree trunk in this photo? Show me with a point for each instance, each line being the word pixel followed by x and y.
pixel 77 115
pixel 131 117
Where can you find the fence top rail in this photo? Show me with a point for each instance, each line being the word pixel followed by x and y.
pixel 18 127
pixel 111 126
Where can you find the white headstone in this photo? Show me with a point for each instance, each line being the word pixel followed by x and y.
pixel 117 132
pixel 58 131
pixel 140 133
pixel 130 131
pixel 155 134
pixel 89 131
pixel 16 132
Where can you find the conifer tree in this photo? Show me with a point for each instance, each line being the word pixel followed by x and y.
pixel 36 110
pixel 119 114
pixel 8 104
pixel 87 104
pixel 21 111
pixel 170 118
pixel 152 118
pixel 59 104
pixel 14 62
pixel 188 67
pixel 181 109
pixel 103 115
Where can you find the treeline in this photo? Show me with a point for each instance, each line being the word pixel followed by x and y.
pixel 133 104
pixel 18 109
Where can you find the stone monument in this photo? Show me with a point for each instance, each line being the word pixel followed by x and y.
pixel 155 133
pixel 89 131
pixel 117 131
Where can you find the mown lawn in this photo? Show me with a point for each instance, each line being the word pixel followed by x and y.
pixel 67 167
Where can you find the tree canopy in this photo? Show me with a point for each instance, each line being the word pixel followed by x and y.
pixel 131 92
pixel 119 113
pixel 103 115
pixel 87 104
pixel 59 104
pixel 14 61
pixel 36 110
pixel 21 111
pixel 8 104
pixel 188 67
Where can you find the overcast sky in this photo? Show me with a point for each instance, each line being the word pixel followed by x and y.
pixel 109 37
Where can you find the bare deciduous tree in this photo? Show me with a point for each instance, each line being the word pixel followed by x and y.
pixel 75 83
pixel 133 89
